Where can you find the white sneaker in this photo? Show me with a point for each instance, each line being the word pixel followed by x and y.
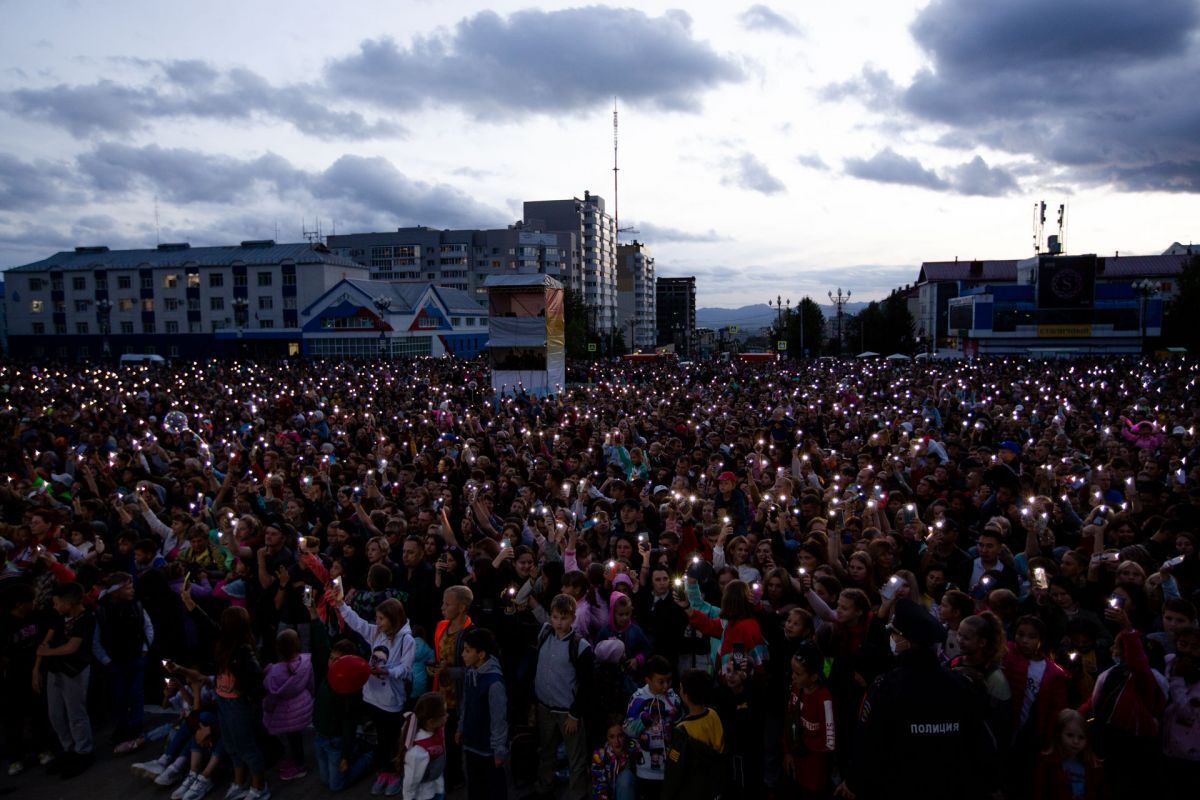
pixel 186 786
pixel 235 792
pixel 148 769
pixel 258 794
pixel 15 768
pixel 45 758
pixel 169 775
pixel 199 789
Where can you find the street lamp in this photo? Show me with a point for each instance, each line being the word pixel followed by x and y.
pixel 1144 289
pixel 382 304
pixel 103 310
pixel 240 315
pixel 840 302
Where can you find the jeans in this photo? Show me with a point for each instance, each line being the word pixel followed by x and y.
pixel 329 757
pixel 485 781
pixel 66 698
pixel 626 785
pixel 126 679
pixel 550 733
pixel 239 724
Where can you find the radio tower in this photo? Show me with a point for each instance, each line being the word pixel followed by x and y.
pixel 616 169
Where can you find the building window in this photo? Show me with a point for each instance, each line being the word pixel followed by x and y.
pixel 56 283
pixel 148 284
pixel 147 327
pixel 36 284
pixel 60 328
pixel 170 281
pixel 172 326
pixel 79 283
pixel 470 322
pixel 148 304
pixel 124 282
pixel 37 306
pixel 83 352
pixel 171 303
pixel 125 304
pixel 193 280
pixel 215 280
pixel 239 281
pixel 81 306
pixel 39 328
pixel 456 321
pixel 195 326
pixel 289 302
pixel 216 304
pixel 126 327
pixel 264 279
pixel 81 328
pixel 60 307
pixel 289 279
pixel 101 283
pixel 193 304
pixel 266 323
pixel 265 303
pixel 173 351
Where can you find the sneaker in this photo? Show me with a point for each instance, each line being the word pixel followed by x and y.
pixel 185 787
pixel 170 775
pixel 148 769
pixel 258 794
pixel 57 765
pixel 289 771
pixel 45 757
pixel 394 785
pixel 124 748
pixel 199 789
pixel 15 768
pixel 236 792
pixel 381 782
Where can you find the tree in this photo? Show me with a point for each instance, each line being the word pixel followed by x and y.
pixel 1179 329
pixel 813 331
pixel 578 330
pixel 883 328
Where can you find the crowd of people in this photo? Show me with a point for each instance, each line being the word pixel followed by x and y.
pixel 791 580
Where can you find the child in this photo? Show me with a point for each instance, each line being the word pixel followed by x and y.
pixel 124 634
pixel 737 628
pixel 336 716
pixel 562 687
pixel 423 656
pixel 695 766
pixel 1039 692
pixel 288 704
pixel 612 772
pixel 392 650
pixel 649 720
pixel 1068 770
pixel 171 765
pixel 483 717
pixel 22 629
pixel 423 761
pixel 809 729
pixel 739 703
pixel 66 656
pixel 621 626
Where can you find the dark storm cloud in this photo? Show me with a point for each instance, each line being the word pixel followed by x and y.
pixel 747 172
pixel 31 184
pixel 539 62
pixel 974 177
pixel 195 90
pixel 762 18
pixel 1103 88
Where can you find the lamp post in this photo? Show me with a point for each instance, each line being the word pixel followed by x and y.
pixel 839 301
pixel 1144 289
pixel 240 314
pixel 103 312
pixel 382 304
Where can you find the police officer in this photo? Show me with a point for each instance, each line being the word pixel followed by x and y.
pixel 921 731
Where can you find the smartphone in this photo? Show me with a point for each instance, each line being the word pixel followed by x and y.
pixel 308 596
pixel 890 588
pixel 337 584
pixel 1040 581
pixel 678 587
pixel 1173 562
pixel 1116 601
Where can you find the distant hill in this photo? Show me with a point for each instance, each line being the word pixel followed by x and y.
pixel 751 318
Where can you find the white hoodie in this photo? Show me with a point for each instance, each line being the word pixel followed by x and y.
pixel 395 654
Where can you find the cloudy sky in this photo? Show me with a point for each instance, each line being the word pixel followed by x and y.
pixel 778 148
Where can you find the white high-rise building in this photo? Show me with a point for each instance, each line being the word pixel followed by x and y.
pixel 594 272
pixel 636 300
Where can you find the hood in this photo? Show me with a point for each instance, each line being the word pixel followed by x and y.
pixel 491 665
pixel 612 617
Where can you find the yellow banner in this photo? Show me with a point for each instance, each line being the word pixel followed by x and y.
pixel 1064 331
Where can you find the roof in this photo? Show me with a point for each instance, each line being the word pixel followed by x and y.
pixel 251 253
pixel 528 280
pixel 406 297
pixel 1138 266
pixel 999 271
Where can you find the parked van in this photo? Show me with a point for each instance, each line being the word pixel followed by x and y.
pixel 142 358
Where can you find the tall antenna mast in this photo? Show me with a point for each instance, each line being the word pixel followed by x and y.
pixel 616 169
pixel 157 230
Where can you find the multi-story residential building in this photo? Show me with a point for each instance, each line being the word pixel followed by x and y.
pixel 173 300
pixel 675 302
pixel 595 277
pixel 636 300
pixel 458 259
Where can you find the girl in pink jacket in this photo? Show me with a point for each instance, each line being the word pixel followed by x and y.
pixel 288 704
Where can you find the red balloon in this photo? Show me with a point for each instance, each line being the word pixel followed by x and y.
pixel 349 674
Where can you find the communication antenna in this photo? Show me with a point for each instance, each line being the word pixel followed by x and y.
pixel 312 235
pixel 1062 226
pixel 616 170
pixel 1039 225
pixel 157 230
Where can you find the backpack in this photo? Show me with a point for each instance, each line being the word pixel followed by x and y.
pixel 1105 705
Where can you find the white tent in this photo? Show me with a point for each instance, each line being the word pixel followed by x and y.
pixel 867 354
pixel 898 357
